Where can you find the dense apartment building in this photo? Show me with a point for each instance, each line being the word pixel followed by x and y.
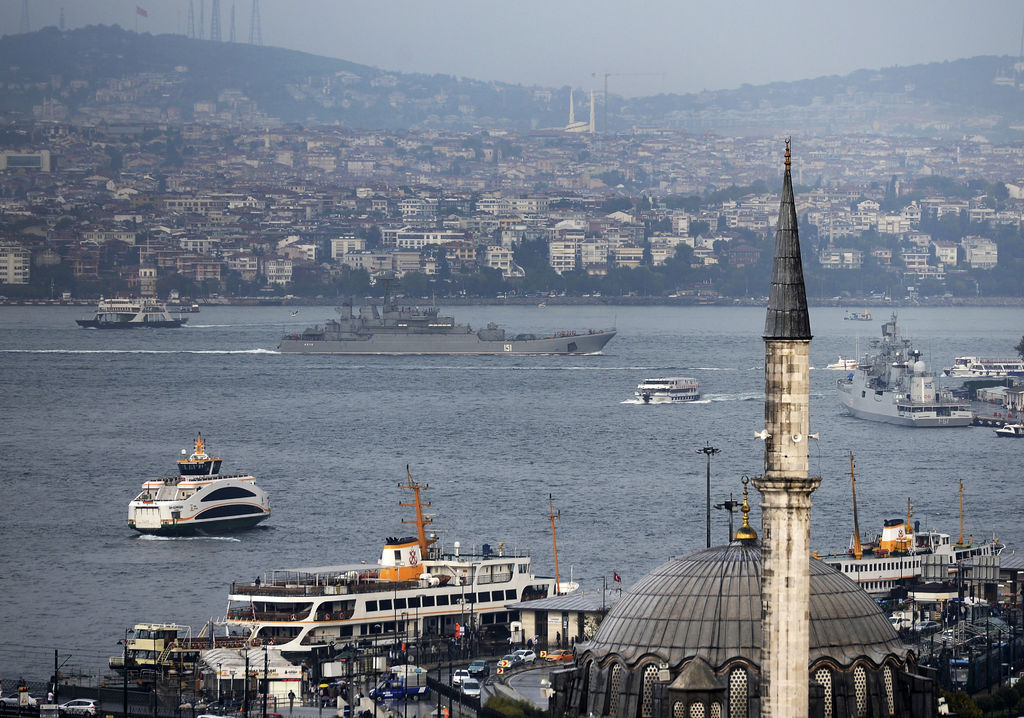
pixel 15 263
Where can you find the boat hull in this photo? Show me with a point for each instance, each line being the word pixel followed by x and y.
pixel 885 410
pixel 569 343
pixel 97 324
pixel 193 528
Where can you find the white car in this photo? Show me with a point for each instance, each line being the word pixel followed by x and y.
pixel 471 687
pixel 526 655
pixel 460 676
pixel 80 706
pixel 15 700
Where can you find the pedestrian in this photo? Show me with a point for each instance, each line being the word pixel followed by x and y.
pixel 49 696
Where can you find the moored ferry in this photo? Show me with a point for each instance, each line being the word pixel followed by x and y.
pixel 417 589
pixel 152 651
pixel 974 367
pixel 903 553
pixel 667 390
pixel 198 499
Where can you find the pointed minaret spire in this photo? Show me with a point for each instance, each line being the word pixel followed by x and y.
pixel 572 109
pixel 787 301
pixel 786 485
pixel 593 124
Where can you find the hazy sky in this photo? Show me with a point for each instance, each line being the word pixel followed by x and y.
pixel 653 45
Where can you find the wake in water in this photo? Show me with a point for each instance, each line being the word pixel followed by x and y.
pixel 139 351
pixel 665 403
pixel 150 537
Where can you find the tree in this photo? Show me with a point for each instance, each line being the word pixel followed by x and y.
pixel 1020 348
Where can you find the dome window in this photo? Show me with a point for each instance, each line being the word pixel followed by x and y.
pixel 823 677
pixel 738 694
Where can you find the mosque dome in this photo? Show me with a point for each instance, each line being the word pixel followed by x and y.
pixel 708 604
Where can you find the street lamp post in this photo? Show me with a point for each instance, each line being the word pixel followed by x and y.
pixel 709 451
pixel 124 666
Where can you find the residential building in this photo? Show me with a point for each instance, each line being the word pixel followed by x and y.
pixel 562 255
pixel 277 271
pixel 980 253
pixel 15 263
pixel 346 244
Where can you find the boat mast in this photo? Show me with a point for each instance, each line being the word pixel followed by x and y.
pixel 858 551
pixel 908 530
pixel 554 541
pixel 421 521
pixel 961 541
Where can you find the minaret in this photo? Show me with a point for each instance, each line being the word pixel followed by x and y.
pixel 593 125
pixel 785 486
pixel 572 109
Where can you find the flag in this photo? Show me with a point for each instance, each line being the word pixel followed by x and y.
pixel 141 11
pixel 616 577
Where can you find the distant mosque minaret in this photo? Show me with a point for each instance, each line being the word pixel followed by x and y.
pixel 786 486
pixel 580 127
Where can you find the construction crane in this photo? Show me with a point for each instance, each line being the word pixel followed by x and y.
pixel 606 75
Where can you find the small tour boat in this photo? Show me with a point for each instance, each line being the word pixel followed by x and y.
pixel 973 367
pixel 843 364
pixel 198 499
pixel 667 390
pixel 858 316
pixel 1011 430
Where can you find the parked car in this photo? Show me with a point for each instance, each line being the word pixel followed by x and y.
pixel 479 668
pixel 80 706
pixel 510 660
pixel 471 687
pixel 926 626
pixel 526 655
pixel 460 676
pixel 15 700
pixel 559 654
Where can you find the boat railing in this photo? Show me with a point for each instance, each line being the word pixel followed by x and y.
pixel 331 587
pixel 246 614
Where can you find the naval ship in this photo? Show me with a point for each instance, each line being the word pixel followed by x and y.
pixel 895 387
pixel 391 329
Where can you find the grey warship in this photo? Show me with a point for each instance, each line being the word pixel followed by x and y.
pixel 390 329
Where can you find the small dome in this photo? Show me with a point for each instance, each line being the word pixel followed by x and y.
pixel 708 604
pixel 919 367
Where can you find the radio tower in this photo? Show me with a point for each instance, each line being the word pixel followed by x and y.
pixel 191 31
pixel 255 33
pixel 232 30
pixel 25 25
pixel 215 20
pixel 62 19
pixel 202 19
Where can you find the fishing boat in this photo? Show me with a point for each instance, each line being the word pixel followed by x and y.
pixel 131 313
pixel 970 367
pixel 903 552
pixel 417 588
pixel 198 499
pixel 858 316
pixel 667 390
pixel 1014 431
pixel 893 385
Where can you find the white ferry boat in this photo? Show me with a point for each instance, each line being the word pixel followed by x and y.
pixel 667 390
pixel 843 364
pixel 131 313
pixel 899 554
pixel 974 367
pixel 858 316
pixel 198 499
pixel 417 589
pixel 893 385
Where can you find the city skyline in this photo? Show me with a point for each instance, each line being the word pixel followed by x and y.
pixel 659 47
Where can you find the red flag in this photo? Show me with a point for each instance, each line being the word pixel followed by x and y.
pixel 141 11
pixel 616 577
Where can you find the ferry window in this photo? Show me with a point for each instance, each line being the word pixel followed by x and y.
pixel 398 555
pixel 427 601
pixel 414 602
pixel 385 604
pixel 484 596
pixel 442 600
pixel 371 605
pixel 400 603
pixel 470 598
pixel 229 492
pixel 510 594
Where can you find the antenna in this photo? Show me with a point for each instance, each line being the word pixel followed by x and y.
pixel 190 30
pixel 26 26
pixel 232 31
pixel 215 20
pixel 255 31
pixel 202 19
pixel 61 20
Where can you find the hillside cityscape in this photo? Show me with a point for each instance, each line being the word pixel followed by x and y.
pixel 104 172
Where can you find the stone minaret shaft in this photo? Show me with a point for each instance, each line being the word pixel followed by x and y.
pixel 785 486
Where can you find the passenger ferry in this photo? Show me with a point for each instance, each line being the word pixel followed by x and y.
pixel 131 313
pixel 198 499
pixel 418 589
pixel 153 651
pixel 667 390
pixel 903 552
pixel 974 367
